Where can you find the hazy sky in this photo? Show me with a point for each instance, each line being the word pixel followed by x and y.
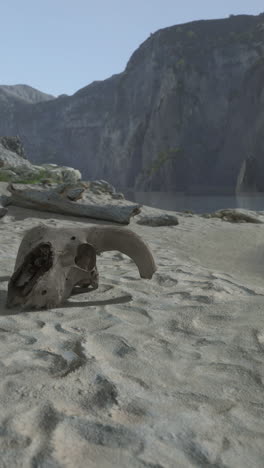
pixel 59 46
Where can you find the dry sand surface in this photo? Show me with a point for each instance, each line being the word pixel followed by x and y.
pixel 146 374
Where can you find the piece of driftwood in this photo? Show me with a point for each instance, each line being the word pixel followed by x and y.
pixel 58 200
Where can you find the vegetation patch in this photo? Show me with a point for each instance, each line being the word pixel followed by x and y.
pixel 190 34
pixel 35 177
pixel 180 63
pixel 162 158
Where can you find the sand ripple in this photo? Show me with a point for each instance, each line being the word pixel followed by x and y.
pixel 138 373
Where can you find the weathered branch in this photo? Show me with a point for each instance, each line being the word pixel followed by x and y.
pixel 57 201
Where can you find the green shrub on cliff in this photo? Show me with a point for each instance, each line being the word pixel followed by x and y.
pixel 162 158
pixel 28 178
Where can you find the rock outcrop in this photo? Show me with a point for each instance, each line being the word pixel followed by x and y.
pixel 14 167
pixel 14 145
pixel 161 219
pixel 237 215
pixel 23 93
pixel 184 115
pixel 12 156
pixel 56 189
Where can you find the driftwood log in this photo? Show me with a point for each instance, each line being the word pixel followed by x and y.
pixel 67 200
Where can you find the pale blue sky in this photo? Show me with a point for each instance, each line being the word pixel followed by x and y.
pixel 59 46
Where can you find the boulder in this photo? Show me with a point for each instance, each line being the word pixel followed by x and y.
pixel 10 159
pixel 98 186
pixel 103 188
pixel 64 174
pixel 15 168
pixel 237 215
pixel 158 220
pixel 13 144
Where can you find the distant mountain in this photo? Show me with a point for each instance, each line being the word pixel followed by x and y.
pixel 25 93
pixel 185 114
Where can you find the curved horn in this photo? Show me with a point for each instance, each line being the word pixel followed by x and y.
pixel 105 238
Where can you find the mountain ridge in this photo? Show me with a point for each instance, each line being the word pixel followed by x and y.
pixel 175 118
pixel 26 93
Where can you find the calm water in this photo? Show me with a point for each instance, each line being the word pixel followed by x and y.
pixel 197 203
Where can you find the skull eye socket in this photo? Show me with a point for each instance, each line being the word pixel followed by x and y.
pixel 36 263
pixel 86 257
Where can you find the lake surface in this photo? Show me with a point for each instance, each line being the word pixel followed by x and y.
pixel 176 201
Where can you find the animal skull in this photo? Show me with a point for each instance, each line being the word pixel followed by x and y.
pixel 51 262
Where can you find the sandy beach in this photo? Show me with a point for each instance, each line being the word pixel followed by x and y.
pixel 159 373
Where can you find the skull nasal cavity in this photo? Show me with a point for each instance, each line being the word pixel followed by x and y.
pixel 86 257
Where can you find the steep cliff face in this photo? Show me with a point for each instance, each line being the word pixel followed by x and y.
pixel 185 113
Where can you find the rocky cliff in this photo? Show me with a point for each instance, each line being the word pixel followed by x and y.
pixel 24 93
pixel 185 114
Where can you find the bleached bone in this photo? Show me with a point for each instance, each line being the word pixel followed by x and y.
pixel 51 262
